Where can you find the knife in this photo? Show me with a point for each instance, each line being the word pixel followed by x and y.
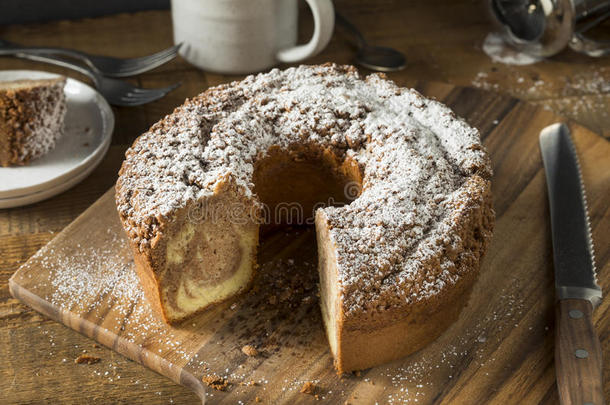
pixel 578 357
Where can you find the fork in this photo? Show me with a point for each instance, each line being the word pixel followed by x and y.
pixel 104 65
pixel 117 92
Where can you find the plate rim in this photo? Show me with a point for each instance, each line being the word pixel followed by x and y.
pixel 44 194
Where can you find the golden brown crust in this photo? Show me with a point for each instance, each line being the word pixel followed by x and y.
pixel 365 341
pixel 149 281
pixel 360 349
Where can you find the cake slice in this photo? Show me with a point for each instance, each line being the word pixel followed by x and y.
pixel 210 256
pixel 32 114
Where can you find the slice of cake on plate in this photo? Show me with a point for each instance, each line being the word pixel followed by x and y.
pixel 32 115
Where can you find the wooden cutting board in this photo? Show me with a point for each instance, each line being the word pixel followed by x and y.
pixel 500 350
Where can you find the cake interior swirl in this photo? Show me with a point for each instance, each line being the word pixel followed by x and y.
pixel 399 244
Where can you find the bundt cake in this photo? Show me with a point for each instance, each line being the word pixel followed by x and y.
pixel 398 185
pixel 31 118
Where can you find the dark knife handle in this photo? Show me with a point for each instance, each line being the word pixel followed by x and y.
pixel 578 354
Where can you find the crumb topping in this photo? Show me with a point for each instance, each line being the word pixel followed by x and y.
pixel 423 167
pixel 31 118
pixel 86 359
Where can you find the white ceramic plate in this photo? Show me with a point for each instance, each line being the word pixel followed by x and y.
pixel 52 191
pixel 87 134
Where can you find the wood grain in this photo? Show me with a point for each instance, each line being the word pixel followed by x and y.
pixel 499 351
pixel 578 354
pixel 442 41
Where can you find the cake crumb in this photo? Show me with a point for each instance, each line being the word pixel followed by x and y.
pixel 86 359
pixel 249 350
pixel 308 388
pixel 249 383
pixel 216 382
pixel 258 400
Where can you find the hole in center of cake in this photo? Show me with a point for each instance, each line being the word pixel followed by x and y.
pixel 292 184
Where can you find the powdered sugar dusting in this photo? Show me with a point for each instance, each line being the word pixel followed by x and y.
pixel 47 128
pixel 424 171
pixel 94 273
pixel 34 110
pixel 101 282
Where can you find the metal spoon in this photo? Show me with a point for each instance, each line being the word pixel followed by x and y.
pixel 373 57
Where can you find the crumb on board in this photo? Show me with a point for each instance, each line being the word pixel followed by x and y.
pixel 249 383
pixel 216 382
pixel 249 350
pixel 86 359
pixel 308 388
pixel 258 399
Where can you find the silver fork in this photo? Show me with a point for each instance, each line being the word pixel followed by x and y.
pixel 104 65
pixel 117 92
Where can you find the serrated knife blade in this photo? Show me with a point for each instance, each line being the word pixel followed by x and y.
pixel 574 259
pixel 578 356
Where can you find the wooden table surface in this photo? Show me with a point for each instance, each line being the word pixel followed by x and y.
pixel 442 41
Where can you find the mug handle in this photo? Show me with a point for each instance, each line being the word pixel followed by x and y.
pixel 324 21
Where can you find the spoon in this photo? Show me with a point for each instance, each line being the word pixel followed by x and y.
pixel 373 57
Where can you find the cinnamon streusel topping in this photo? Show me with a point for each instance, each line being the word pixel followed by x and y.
pixel 422 169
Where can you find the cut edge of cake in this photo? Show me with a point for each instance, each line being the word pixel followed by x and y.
pixel 205 235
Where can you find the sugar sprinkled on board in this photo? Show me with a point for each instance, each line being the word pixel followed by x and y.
pixel 407 383
pixel 101 282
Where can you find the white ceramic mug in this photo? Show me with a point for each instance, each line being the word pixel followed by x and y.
pixel 245 36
